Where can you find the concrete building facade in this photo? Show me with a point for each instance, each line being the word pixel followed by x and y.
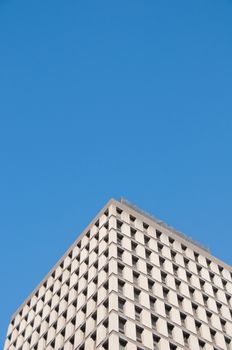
pixel 128 282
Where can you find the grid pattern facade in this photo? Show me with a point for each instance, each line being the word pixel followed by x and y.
pixel 128 283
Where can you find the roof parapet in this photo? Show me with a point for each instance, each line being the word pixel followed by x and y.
pixel 163 224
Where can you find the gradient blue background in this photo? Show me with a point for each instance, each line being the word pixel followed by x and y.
pixel 102 99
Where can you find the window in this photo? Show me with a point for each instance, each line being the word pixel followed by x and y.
pixel 202 283
pixel 183 247
pixel 133 246
pixel 183 318
pixel 105 345
pixel 211 276
pixel 208 262
pixel 186 262
pixel 148 254
pixel 119 224
pixel 135 277
pixel 194 307
pixel 228 298
pixel 120 269
pixel 139 332
pixel 146 240
pixel 171 240
pixel 198 326
pixel 167 310
pixel 220 268
pixel 196 256
pixel 145 226
pixel 201 344
pixel 227 341
pixel 215 290
pixel 208 315
pixel 224 283
pixel 121 304
pixel 120 253
pixel 136 294
pixel 94 336
pixel 132 218
pixel 122 344
pixel 152 302
pixel 219 306
pixel 165 292
pixel 186 337
pixel 121 325
pixel 172 346
pixel 156 340
pixel 150 285
pixel 154 320
pixel 223 324
pixel 170 328
pixel 191 292
pixel 160 247
pixel 180 300
pixel 120 286
pixel 161 261
pixel 213 334
pixel 177 283
pixel 138 311
pixel 163 277
pixel 134 261
pixel 118 211
pixel 173 254
pixel 205 299
pixel 133 232
pixel 149 269
pixel 158 234
pixel 119 239
pixel 188 275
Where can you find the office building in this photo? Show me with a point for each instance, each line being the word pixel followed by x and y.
pixel 128 282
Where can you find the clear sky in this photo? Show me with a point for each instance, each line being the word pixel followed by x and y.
pixel 102 99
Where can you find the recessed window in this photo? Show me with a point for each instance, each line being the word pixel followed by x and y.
pixel 106 345
pixel 158 234
pixel 135 277
pixel 133 232
pixel 121 324
pixel 149 269
pixel 119 224
pixel 154 320
pixel 150 285
pixel 136 294
pixel 156 340
pixel 170 328
pixel 121 304
pixel 132 218
pixel 139 332
pixel 120 253
pixel 120 286
pixel 118 211
pixel 138 312
pixel 145 226
pixel 201 344
pixel 120 269
pixel 167 310
pixel 160 247
pixel 152 302
pixel 186 337
pixel 133 246
pixel 146 239
pixel 122 344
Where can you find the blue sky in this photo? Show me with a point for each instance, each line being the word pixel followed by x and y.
pixel 102 99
